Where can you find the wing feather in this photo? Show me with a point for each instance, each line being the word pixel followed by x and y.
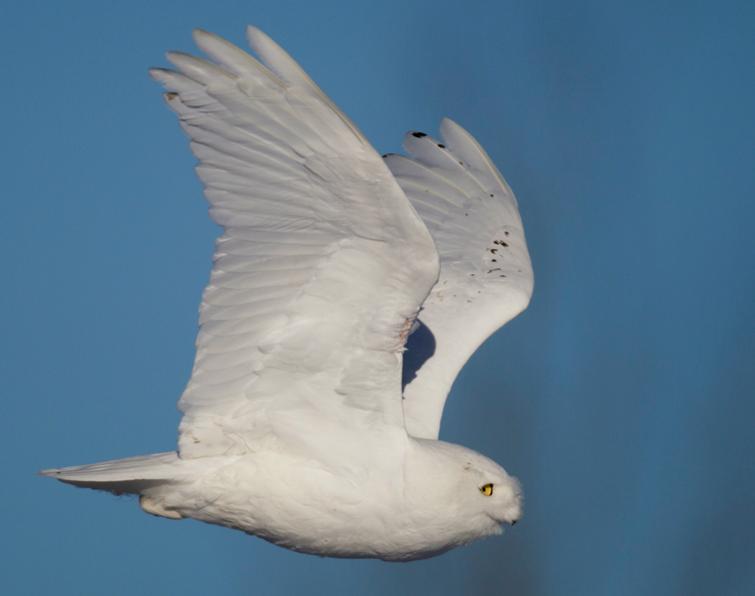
pixel 486 276
pixel 321 263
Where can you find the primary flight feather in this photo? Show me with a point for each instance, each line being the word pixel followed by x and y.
pixel 299 425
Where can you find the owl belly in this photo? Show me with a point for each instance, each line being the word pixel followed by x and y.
pixel 308 508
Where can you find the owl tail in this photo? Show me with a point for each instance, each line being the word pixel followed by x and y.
pixel 139 475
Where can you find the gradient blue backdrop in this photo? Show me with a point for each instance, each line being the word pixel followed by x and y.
pixel 623 398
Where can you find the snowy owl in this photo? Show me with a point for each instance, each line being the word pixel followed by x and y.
pixel 347 291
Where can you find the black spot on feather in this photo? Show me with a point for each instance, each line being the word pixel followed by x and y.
pixel 418 135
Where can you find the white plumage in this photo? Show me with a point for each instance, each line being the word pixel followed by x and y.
pixel 485 277
pixel 295 428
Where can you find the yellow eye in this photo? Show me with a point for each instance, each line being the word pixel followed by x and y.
pixel 487 489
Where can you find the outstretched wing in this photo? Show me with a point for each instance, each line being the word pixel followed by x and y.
pixel 322 264
pixel 485 275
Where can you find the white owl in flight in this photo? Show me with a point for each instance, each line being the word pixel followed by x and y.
pixel 305 421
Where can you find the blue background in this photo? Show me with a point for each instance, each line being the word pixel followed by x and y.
pixel 623 398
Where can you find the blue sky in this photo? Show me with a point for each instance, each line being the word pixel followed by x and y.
pixel 623 398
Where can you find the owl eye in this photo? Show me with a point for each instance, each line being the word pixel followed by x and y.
pixel 487 489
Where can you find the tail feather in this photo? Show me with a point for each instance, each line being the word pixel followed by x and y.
pixel 119 476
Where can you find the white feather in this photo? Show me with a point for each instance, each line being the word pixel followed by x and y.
pixel 317 234
pixel 486 276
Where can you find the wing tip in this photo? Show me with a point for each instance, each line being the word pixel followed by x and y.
pixel 449 126
pixel 413 137
pixel 257 38
pixel 155 73
pixel 203 37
